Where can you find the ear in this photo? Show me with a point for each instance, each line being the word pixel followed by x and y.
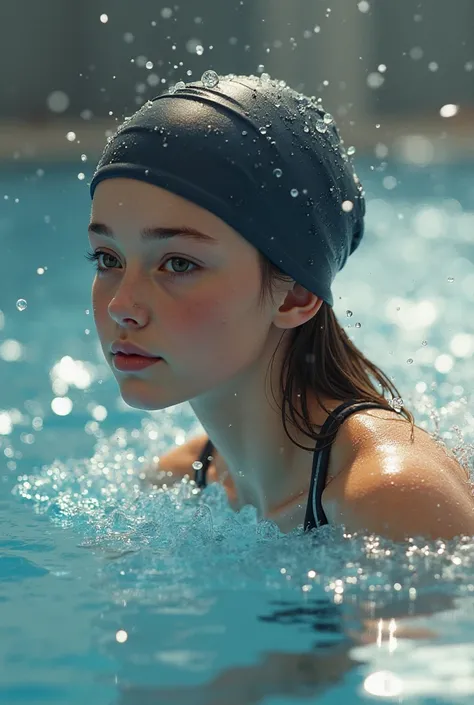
pixel 298 306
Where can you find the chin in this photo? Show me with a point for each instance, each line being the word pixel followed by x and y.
pixel 141 396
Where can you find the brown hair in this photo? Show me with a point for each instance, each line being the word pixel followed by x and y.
pixel 321 358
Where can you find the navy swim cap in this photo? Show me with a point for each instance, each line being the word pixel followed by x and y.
pixel 265 159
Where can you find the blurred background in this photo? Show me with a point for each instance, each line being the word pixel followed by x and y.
pixel 385 69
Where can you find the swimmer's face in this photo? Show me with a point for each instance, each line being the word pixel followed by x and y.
pixel 193 303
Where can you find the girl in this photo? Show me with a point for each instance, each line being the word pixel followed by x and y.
pixel 222 211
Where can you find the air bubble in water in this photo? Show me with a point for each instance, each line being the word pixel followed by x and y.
pixel 351 151
pixel 278 173
pixel 199 50
pixel 294 192
pixel 210 79
pixel 197 465
pixel 21 304
pixel 349 314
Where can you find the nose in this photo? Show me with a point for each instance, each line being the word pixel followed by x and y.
pixel 125 308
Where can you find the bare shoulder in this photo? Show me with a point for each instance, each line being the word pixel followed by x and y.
pixel 381 464
pixel 375 431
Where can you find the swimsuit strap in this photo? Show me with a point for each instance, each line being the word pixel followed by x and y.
pixel 315 515
pixel 205 458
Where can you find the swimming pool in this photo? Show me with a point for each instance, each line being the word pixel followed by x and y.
pixel 114 593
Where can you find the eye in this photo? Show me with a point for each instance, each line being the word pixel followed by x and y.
pixel 95 257
pixel 181 260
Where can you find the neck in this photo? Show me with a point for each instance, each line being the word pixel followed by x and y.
pixel 245 425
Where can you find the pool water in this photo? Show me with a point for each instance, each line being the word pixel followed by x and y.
pixel 114 592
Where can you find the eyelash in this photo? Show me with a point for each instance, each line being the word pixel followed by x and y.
pixel 94 257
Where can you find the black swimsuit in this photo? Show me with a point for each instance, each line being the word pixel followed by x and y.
pixel 315 516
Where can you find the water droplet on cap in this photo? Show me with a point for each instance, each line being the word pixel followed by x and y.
pixel 21 304
pixel 210 79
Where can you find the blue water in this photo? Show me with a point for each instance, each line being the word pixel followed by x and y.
pixel 111 592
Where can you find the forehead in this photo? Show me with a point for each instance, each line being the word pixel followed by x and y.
pixel 122 203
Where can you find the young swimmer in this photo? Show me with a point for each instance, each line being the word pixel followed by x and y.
pixel 222 211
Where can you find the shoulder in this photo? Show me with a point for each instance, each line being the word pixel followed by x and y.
pixel 393 482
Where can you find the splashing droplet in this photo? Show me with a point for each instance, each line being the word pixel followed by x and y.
pixel 396 403
pixel 210 79
pixel 21 304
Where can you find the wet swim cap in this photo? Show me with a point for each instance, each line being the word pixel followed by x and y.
pixel 262 157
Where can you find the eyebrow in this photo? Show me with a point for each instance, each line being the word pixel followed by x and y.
pixel 157 233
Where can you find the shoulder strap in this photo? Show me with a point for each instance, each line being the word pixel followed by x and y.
pixel 200 475
pixel 315 515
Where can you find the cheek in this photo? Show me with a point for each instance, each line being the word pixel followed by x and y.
pixel 99 306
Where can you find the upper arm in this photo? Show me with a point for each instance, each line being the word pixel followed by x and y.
pixel 401 494
pixel 179 459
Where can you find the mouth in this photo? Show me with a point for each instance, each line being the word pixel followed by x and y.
pixel 133 363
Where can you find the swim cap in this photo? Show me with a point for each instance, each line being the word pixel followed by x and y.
pixel 265 159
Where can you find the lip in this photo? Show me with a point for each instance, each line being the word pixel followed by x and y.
pixel 122 346
pixel 133 363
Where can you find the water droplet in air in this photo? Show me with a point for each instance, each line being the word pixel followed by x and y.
pixel 210 79
pixel 294 192
pixel 277 173
pixel 21 304
pixel 396 403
